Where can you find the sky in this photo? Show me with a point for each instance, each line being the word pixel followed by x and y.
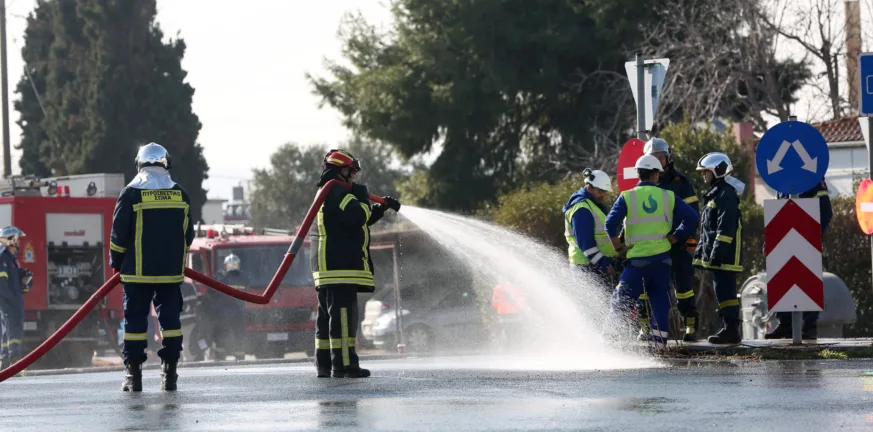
pixel 247 62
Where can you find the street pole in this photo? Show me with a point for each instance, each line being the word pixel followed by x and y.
pixel 641 97
pixel 796 317
pixel 4 93
pixel 870 164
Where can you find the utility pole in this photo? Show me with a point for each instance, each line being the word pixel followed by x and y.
pixel 4 93
pixel 641 99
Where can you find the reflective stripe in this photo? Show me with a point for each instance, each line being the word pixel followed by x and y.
pixel 135 336
pixel 322 344
pixel 728 303
pixel 153 279
pixel 690 200
pixel 724 238
pixel 185 235
pixel 590 251
pixel 644 296
pixel 366 246
pixel 171 333
pixel 601 239
pixel 322 241
pixel 648 234
pixel 117 248
pixel 346 201
pixel 4 275
pixel 822 193
pixel 342 273
pixel 596 258
pixel 138 244
pixel 338 343
pixel 685 295
pixel 726 267
pixel 659 333
pixel 159 205
pixel 344 281
pixel 711 204
pixel 344 327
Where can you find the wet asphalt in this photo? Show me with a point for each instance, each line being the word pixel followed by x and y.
pixel 456 394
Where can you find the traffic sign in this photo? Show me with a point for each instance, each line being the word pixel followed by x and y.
pixel 792 157
pixel 625 173
pixel 656 72
pixel 865 84
pixel 864 206
pixel 792 244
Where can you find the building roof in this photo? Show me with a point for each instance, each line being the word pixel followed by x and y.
pixel 846 129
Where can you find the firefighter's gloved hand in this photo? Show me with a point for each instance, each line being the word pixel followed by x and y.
pixel 361 192
pixel 26 279
pixel 392 203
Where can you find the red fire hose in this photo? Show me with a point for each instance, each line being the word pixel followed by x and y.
pixel 264 298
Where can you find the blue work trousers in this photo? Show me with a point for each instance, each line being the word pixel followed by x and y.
pixel 138 299
pixel 653 277
pixel 11 327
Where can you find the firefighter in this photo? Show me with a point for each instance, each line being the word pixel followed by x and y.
pixel 151 232
pixel 810 318
pixel 11 297
pixel 590 251
pixel 720 246
pixel 224 313
pixel 649 214
pixel 342 266
pixel 680 254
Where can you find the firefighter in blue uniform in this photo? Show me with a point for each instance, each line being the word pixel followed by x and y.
pixel 590 251
pixel 680 253
pixel 342 265
pixel 810 318
pixel 151 233
pixel 229 313
pixel 654 219
pixel 11 297
pixel 720 247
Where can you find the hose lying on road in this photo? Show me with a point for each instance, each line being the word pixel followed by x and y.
pixel 264 298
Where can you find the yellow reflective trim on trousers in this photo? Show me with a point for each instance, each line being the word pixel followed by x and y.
pixel 343 281
pixel 338 343
pixel 690 200
pixel 117 248
pixel 4 275
pixel 135 336
pixel 344 327
pixel 322 344
pixel 728 303
pixel 345 201
pixel 726 267
pixel 823 193
pixel 153 279
pixel 342 273
pixel 724 238
pixel 171 333
pixel 322 241
pixel 685 295
pixel 644 296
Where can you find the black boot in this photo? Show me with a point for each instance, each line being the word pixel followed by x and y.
pixel 782 331
pixel 4 363
pixel 810 330
pixel 323 372
pixel 169 375
pixel 690 327
pixel 351 373
pixel 133 379
pixel 728 335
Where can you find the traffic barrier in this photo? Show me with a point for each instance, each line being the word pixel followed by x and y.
pixel 113 281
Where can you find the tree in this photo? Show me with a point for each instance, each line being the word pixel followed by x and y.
pixel 283 193
pixel 109 84
pixel 494 84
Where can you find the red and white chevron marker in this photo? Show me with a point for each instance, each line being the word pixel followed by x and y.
pixel 792 238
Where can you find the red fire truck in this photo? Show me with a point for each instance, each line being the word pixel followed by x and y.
pixel 287 322
pixel 66 221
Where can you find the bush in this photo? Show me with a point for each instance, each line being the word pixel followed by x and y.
pixel 847 254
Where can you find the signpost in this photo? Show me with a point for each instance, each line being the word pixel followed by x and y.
pixel 647 79
pixel 625 173
pixel 865 110
pixel 864 206
pixel 792 157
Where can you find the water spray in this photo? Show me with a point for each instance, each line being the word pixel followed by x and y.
pixel 113 281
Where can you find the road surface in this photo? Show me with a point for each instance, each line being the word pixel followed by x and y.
pixel 456 394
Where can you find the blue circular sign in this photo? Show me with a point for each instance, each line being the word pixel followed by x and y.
pixel 792 157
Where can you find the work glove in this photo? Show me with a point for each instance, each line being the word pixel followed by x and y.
pixel 392 203
pixel 361 193
pixel 26 279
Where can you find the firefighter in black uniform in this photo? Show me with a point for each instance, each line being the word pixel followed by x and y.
pixel 342 265
pixel 12 279
pixel 151 233
pixel 229 313
pixel 720 246
pixel 680 254
pixel 810 318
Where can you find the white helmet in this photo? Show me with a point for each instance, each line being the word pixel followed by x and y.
pixel 719 163
pixel 152 154
pixel 598 179
pixel 9 235
pixel 658 145
pixel 232 263
pixel 648 162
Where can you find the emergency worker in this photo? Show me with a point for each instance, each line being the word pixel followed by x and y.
pixel 224 314
pixel 680 253
pixel 810 318
pixel 151 232
pixel 342 265
pixel 590 251
pixel 720 247
pixel 11 297
pixel 649 214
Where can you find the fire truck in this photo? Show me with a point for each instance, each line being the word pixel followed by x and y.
pixel 66 221
pixel 287 322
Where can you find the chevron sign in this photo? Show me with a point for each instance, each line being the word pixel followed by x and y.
pixel 792 239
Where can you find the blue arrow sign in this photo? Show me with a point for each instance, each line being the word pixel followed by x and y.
pixel 865 83
pixel 792 157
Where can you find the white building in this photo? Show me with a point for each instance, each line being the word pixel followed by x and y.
pixel 848 158
pixel 213 212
